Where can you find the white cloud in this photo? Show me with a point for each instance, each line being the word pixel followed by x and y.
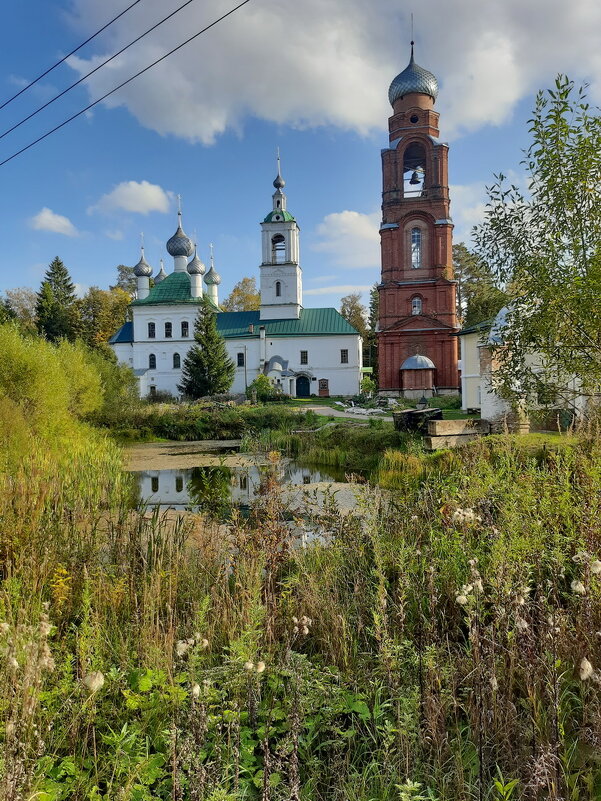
pixel 468 202
pixel 350 238
pixel 329 62
pixel 140 197
pixel 339 289
pixel 115 234
pixel 48 220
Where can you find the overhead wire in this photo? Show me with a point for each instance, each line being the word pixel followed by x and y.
pixel 121 85
pixel 98 67
pixel 72 53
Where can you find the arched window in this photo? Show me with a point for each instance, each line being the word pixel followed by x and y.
pixel 152 330
pixel 168 330
pixel 152 362
pixel 416 305
pixel 177 362
pixel 416 248
pixel 278 249
pixel 414 171
pixel 185 329
pixel 278 289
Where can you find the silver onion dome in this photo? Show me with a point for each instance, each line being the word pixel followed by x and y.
pixel 195 266
pixel 180 244
pixel 142 268
pixel 161 275
pixel 413 80
pixel 279 182
pixel 212 277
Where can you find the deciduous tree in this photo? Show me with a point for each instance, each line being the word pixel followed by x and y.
pixel 243 297
pixel 207 369
pixel 478 295
pixel 546 244
pixel 354 312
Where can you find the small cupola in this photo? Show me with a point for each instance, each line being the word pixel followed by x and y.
pixel 413 80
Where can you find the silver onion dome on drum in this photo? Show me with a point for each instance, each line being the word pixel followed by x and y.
pixel 212 277
pixel 413 80
pixel 180 244
pixel 142 268
pixel 195 266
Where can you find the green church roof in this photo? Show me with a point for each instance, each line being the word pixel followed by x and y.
pixel 173 289
pixel 237 325
pixel 279 216
pixel 312 322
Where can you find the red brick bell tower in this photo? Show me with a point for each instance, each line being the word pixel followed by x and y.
pixel 417 291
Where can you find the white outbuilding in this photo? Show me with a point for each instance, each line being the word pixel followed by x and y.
pixel 304 352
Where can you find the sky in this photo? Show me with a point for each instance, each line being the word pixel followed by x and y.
pixel 308 76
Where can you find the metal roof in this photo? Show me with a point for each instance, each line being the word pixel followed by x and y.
pixel 237 325
pixel 124 334
pixel 279 215
pixel 312 322
pixel 418 362
pixel 175 288
pixel 413 79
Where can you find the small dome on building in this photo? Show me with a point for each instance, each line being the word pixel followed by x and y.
pixel 142 268
pixel 195 266
pixel 212 277
pixel 418 362
pixel 413 80
pixel 180 244
pixel 161 275
pixel 279 182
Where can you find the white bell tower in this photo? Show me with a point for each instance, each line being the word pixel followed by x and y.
pixel 281 275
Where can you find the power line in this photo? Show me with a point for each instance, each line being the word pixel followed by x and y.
pixel 104 63
pixel 121 85
pixel 58 63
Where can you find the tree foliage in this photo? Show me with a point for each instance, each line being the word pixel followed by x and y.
pixel 101 314
pixel 546 245
pixel 354 312
pixel 207 368
pixel 56 307
pixel 478 295
pixel 126 280
pixel 243 297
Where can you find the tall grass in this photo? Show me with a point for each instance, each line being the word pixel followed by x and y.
pixel 437 642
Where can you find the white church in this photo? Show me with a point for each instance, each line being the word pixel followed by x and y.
pixel 303 351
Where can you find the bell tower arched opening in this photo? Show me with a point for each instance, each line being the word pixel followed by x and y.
pixel 414 170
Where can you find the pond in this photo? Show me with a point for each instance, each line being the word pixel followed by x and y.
pixel 202 475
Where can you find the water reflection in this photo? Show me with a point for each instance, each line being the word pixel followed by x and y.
pixel 219 487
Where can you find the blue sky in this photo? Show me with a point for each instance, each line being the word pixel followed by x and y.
pixel 309 76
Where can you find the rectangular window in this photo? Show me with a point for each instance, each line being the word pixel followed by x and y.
pixel 168 330
pixel 304 357
pixel 344 356
pixel 185 330
pixel 154 483
pixel 240 360
pixel 152 330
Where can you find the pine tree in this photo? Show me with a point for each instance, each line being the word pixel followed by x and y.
pixel 56 309
pixel 207 369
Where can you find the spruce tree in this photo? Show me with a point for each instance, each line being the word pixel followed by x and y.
pixel 207 369
pixel 56 309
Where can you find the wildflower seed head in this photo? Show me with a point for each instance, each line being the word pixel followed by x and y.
pixel 12 663
pixel 295 630
pixel 4 627
pixel 305 630
pixel 586 669
pixel 196 690
pixel 461 599
pixel 494 683
pixel 596 567
pixel 578 587
pixel 181 647
pixel 94 681
pixel 248 665
pixel 521 624
pixel 295 620
pixel 10 729
pixel 204 643
pixel 260 667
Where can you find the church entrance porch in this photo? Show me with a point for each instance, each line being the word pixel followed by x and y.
pixel 303 387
